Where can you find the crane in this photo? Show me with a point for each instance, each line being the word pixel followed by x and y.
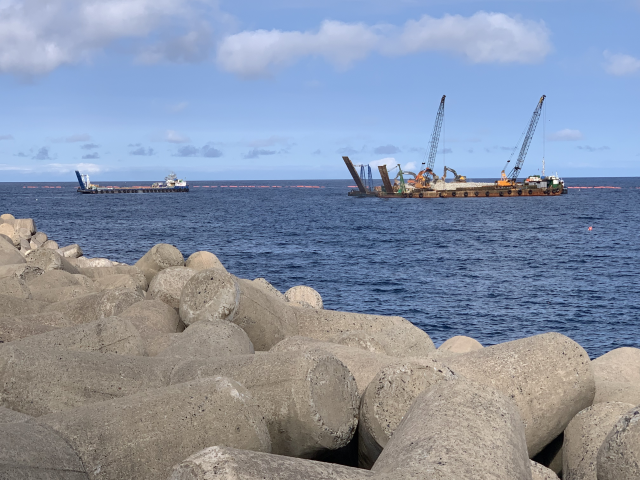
pixel 365 175
pixel 422 179
pixel 509 180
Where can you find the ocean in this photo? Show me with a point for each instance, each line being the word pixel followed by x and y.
pixel 493 269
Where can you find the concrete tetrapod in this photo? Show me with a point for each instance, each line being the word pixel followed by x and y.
pixel 540 472
pixel 363 365
pixel 107 335
pixel 455 430
pixel 619 455
pixel 308 398
pixel 583 437
pixel 37 381
pixel 460 344
pixel 203 261
pixel 49 260
pixel 167 285
pixel 32 452
pixel 96 305
pixel 9 255
pixel 208 340
pixel 153 319
pixel 97 273
pixel 15 286
pixel 304 296
pixel 548 376
pixel 20 326
pixel 217 295
pixel 10 416
pixel 617 375
pixel 142 436
pixel 387 399
pixel 223 463
pixel 158 258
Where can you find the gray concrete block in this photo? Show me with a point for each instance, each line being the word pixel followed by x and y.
pixel 584 436
pixel 142 436
pixel 14 306
pixel 167 285
pixel 33 452
pixel 128 282
pixel 263 283
pixel 223 463
pixel 153 319
pixel 305 296
pixel 455 430
pixel 7 218
pixel 107 335
pixel 94 306
pixel 216 295
pixel 97 273
pixel 158 258
pixel 49 260
pixel 359 339
pixel 59 278
pixel 16 287
pixel 387 399
pixel 308 398
pixel 8 253
pixel 26 223
pixel 540 472
pixel 37 382
pixel 41 237
pixel 50 245
pixel 10 416
pixel 203 261
pixel 548 376
pixel 617 376
pixel 71 251
pixel 23 271
pixel 60 294
pixel 619 456
pixel 21 326
pixel 460 344
pixel 208 340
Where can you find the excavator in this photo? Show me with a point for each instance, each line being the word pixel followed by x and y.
pixel 510 180
pixel 457 178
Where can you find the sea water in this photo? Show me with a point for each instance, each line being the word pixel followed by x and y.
pixel 495 269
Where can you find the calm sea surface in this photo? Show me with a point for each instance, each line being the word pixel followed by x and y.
pixel 494 269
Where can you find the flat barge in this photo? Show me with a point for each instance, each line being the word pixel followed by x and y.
pixel 170 185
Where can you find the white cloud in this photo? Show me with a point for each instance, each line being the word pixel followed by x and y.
pixel 172 136
pixel 481 38
pixel 390 162
pixel 620 64
pixel 566 135
pixel 37 37
pixel 55 168
pixel 412 166
pixel 78 137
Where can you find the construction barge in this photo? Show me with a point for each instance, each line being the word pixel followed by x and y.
pixel 171 184
pixel 426 184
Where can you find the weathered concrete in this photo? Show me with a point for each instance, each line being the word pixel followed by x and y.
pixel 153 319
pixel 617 376
pixel 61 294
pixel 39 381
pixel 111 282
pixel 14 306
pixel 223 463
pixel 540 472
pixel 7 218
pixel 50 245
pixel 15 287
pixel 142 436
pixel 50 260
pixel 203 261
pixel 10 416
pixel 551 455
pixel 387 399
pixel 158 258
pixel 619 455
pixel 167 285
pixel 548 376
pixel 460 344
pixel 94 306
pixel 583 437
pixel 362 364
pixel 217 295
pixel 23 233
pixel 41 237
pixel 21 326
pixel 33 452
pixel 107 335
pixel 209 340
pixel 361 340
pixel 23 271
pixel 57 279
pixel 455 430
pixel 25 246
pixel 98 273
pixel 26 223
pixel 304 296
pixel 263 283
pixel 8 253
pixel 308 398
pixel 71 251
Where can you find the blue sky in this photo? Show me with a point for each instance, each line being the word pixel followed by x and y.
pixel 130 89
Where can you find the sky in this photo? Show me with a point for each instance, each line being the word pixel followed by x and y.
pixel 257 90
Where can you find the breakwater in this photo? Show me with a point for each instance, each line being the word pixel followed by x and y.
pixel 176 368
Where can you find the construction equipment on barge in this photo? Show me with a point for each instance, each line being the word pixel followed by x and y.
pixel 171 185
pixel 426 184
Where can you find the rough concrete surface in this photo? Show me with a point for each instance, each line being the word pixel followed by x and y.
pixel 619 455
pixel 158 258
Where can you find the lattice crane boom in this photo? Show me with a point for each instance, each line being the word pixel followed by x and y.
pixel 435 136
pixel 513 175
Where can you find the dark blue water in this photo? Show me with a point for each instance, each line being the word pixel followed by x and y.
pixel 494 269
